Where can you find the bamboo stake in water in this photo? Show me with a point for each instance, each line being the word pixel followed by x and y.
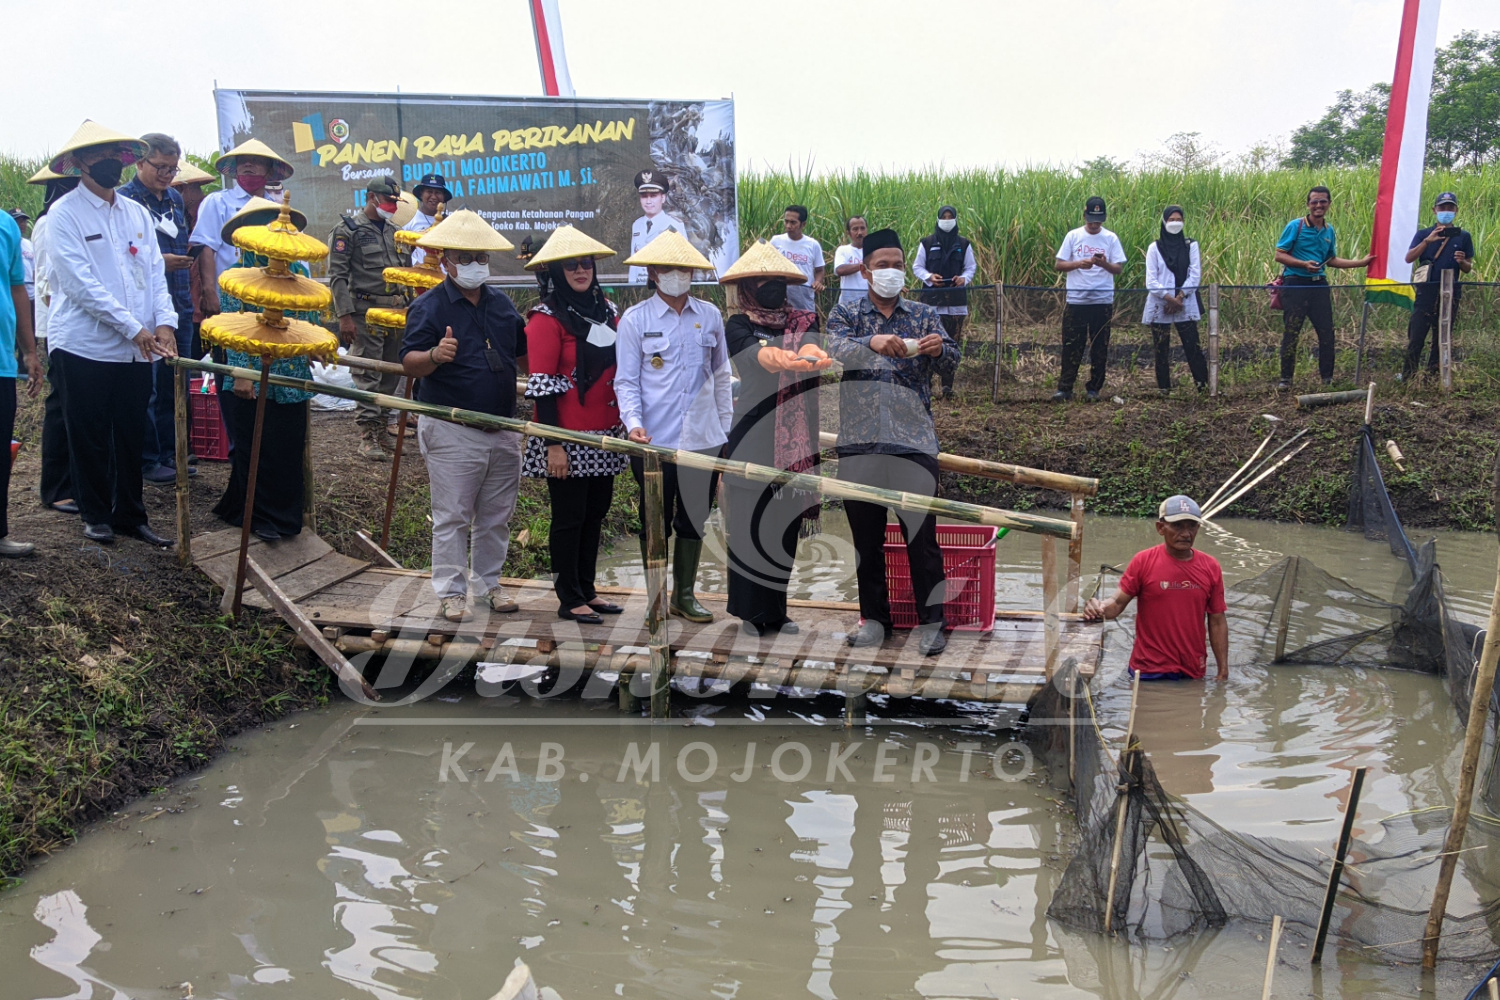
pixel 1337 875
pixel 1121 808
pixel 262 391
pixel 1265 990
pixel 180 419
pixel 653 490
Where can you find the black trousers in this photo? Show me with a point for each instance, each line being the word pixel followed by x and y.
pixel 955 327
pixel 1424 319
pixel 1085 326
pixel 763 534
pixel 278 485
pixel 579 506
pixel 57 475
pixel 7 430
pixel 687 496
pixel 1306 298
pixel 104 407
pixel 910 473
pixel 1161 342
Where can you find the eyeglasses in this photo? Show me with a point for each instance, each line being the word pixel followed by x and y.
pixel 163 169
pixel 469 258
pixel 578 264
pixel 1319 201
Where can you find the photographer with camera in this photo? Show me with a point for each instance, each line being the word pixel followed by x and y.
pixel 1438 248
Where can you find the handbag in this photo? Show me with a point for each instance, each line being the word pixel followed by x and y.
pixel 1419 276
pixel 1276 283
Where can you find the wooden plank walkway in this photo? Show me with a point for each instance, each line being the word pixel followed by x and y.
pixel 365 606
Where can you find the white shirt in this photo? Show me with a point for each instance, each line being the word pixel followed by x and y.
pixel 687 402
pixel 807 255
pixel 46 297
pixel 216 210
pixel 104 258
pixel 28 262
pixel 419 223
pixel 646 229
pixel 1091 285
pixel 919 268
pixel 1161 282
pixel 851 286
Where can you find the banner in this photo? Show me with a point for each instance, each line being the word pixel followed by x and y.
pixel 1398 200
pixel 527 165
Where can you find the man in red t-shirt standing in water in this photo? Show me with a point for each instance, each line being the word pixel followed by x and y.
pixel 1182 601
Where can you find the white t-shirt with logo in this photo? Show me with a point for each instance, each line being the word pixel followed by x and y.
pixel 1091 285
pixel 807 255
pixel 850 285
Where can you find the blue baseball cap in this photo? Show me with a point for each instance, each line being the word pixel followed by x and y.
pixel 1179 508
pixel 1446 198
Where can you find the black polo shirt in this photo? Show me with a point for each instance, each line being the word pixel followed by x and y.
pixel 467 382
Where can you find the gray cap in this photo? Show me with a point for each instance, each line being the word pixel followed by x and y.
pixel 1179 508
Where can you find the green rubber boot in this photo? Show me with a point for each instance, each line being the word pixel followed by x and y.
pixel 685 556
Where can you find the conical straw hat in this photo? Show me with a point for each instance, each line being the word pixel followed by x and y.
pixel 464 230
pixel 43 175
pixel 566 243
pixel 254 333
pixel 189 173
pixel 763 261
pixel 670 249
pixel 280 169
pixel 91 133
pixel 258 211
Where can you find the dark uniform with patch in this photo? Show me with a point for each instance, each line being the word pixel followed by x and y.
pixel 361 249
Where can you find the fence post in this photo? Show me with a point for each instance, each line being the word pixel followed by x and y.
pixel 1445 328
pixel 1213 339
pixel 656 585
pixel 999 338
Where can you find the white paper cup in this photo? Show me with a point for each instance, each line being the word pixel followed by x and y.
pixel 911 347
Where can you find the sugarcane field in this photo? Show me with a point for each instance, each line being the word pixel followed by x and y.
pixel 471 534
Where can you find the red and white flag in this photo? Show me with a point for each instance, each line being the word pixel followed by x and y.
pixel 546 22
pixel 1398 202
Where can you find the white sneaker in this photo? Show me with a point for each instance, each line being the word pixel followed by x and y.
pixel 498 602
pixel 455 609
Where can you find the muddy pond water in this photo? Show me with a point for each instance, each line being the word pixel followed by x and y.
pixel 748 849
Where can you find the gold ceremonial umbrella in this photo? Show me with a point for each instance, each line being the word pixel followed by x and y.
pixel 428 274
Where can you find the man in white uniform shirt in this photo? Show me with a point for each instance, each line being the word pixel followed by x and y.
pixel 1090 256
pixel 805 253
pixel 432 194
pixel 848 258
pixel 673 385
pixel 115 315
pixel 248 169
pixel 651 186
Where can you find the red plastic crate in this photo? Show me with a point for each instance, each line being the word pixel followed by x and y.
pixel 209 436
pixel 969 565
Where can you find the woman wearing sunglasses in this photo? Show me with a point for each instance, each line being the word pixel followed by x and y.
pixel 570 336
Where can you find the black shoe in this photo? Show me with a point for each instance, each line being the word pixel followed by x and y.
pixel 785 628
pixel 1285 385
pixel 1061 397
pixel 145 534
pixel 64 507
pixel 868 634
pixel 101 533
pixel 266 534
pixel 606 608
pixel 160 475
pixel 931 639
pixel 589 619
pixel 1091 396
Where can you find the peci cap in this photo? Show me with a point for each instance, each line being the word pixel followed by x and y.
pixel 435 181
pixel 384 185
pixel 1446 198
pixel 1179 508
pixel 652 180
pixel 1093 209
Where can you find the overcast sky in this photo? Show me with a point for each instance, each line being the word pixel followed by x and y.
pixel 842 84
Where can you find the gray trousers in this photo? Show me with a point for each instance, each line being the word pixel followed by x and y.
pixel 370 344
pixel 474 477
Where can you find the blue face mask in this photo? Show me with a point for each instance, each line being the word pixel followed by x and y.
pixel 1446 218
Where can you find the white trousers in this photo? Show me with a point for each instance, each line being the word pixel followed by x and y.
pixel 473 477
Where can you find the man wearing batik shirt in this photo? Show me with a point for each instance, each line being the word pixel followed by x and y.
pixel 891 347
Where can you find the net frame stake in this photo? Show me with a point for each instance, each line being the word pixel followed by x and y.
pixel 1213 340
pixel 1276 924
pixel 1356 784
pixel 1121 799
pixel 1445 329
pixel 1359 355
pixel 1284 605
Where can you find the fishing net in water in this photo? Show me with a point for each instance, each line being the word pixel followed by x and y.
pixel 1149 865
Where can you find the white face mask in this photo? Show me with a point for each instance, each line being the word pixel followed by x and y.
pixel 387 216
pixel 1174 227
pixel 471 275
pixel 947 225
pixel 674 282
pixel 887 282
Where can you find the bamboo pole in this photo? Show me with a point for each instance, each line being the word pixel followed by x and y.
pixel 1213 339
pixel 1276 924
pixel 1369 404
pixel 180 420
pixel 1018 474
pixel 1075 553
pixel 1445 329
pixel 654 513
pixel 1312 400
pixel 1238 472
pixel 262 391
pixel 1356 783
pixel 1223 505
pixel 1494 985
pixel 971 513
pixel 1049 604
pixel 1284 605
pixel 1121 806
pixel 999 338
pixel 390 491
